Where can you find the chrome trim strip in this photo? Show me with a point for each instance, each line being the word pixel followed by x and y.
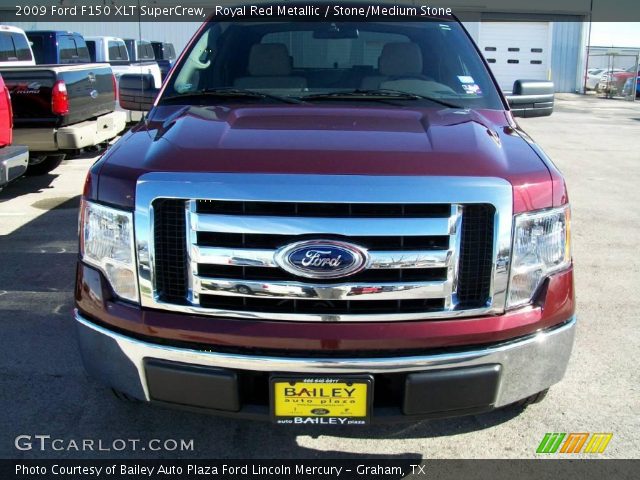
pixel 451 301
pixel 322 317
pixel 529 364
pixel 410 259
pixel 351 227
pixel 237 257
pixel 392 259
pixel 341 291
pixel 191 237
pixel 322 189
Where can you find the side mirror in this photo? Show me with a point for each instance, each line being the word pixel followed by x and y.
pixel 532 98
pixel 137 92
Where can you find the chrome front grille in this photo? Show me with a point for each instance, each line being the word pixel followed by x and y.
pixel 213 246
pixel 238 278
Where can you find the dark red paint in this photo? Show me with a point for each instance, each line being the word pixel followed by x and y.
pixel 6 116
pixel 322 140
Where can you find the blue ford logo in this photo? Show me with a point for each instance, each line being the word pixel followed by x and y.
pixel 322 259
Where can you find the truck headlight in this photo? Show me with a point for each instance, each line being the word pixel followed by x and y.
pixel 541 246
pixel 107 243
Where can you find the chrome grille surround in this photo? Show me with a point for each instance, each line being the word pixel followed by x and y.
pixel 455 191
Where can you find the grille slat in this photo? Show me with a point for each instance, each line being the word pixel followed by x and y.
pixel 332 210
pixel 260 273
pixel 258 240
pixel 332 307
pixel 354 226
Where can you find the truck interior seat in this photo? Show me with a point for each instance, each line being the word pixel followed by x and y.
pixel 270 66
pixel 397 60
pixel 400 67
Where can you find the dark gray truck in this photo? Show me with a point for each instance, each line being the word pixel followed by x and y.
pixel 62 109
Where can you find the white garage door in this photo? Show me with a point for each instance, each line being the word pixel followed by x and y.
pixel 516 50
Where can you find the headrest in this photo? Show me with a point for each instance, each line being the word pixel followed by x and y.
pixel 269 59
pixel 400 59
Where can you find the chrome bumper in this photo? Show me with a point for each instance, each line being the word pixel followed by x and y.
pixel 13 163
pixel 72 137
pixel 528 365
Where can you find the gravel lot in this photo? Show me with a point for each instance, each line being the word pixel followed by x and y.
pixel 44 389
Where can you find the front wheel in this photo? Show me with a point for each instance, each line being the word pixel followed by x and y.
pixel 43 164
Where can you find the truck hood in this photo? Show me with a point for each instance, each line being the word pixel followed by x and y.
pixel 309 139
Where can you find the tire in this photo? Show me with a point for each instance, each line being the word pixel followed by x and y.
pixel 123 397
pixel 41 165
pixel 243 289
pixel 537 398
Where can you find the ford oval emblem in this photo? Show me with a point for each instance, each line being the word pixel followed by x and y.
pixel 322 258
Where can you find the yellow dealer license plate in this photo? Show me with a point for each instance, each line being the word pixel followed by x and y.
pixel 321 401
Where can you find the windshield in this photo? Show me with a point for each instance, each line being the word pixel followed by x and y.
pixel 432 63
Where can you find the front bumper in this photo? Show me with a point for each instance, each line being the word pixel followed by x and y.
pixel 14 160
pixel 457 382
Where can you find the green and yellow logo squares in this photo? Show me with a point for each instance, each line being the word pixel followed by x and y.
pixel 574 442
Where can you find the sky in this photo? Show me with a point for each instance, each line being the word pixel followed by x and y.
pixel 616 34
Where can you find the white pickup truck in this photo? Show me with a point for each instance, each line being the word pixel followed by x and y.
pixel 14 48
pixel 113 50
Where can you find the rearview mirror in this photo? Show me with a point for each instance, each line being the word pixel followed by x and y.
pixel 137 92
pixel 336 32
pixel 531 98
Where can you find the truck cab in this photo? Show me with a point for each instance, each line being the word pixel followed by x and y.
pixel 327 223
pixel 113 50
pixel 58 47
pixel 141 53
pixel 14 47
pixel 165 54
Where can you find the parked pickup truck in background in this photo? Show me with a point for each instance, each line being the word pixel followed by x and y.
pixel 14 47
pixel 114 51
pixel 165 55
pixel 327 224
pixel 58 47
pixel 13 158
pixel 142 55
pixel 61 109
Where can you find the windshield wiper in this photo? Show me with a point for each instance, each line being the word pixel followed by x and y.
pixel 230 92
pixel 378 94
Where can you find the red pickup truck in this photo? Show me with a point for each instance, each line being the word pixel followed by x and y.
pixel 327 223
pixel 14 159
